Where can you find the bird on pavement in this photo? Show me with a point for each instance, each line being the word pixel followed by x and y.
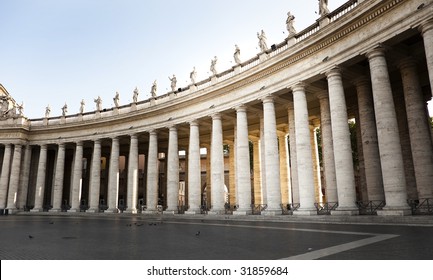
pixel 197 233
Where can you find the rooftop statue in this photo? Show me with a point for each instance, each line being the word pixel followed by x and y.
pixel 237 55
pixel 154 89
pixel 98 102
pixel 82 104
pixel 193 76
pixel 323 8
pixel 47 111
pixel 262 41
pixel 20 108
pixel 64 110
pixel 173 83
pixel 213 66
pixel 135 95
pixel 116 100
pixel 289 24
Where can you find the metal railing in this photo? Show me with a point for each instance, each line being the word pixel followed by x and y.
pixel 370 207
pixel 258 208
pixel 421 206
pixel 325 208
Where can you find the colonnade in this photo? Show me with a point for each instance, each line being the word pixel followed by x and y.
pixel 277 172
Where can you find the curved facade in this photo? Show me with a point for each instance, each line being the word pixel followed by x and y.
pixel 368 61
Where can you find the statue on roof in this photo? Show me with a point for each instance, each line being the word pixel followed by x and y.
pixel 98 102
pixel 213 65
pixel 173 83
pixel 237 54
pixel 154 89
pixel 262 41
pixel 323 8
pixel 193 76
pixel 20 108
pixel 116 100
pixel 82 104
pixel 64 110
pixel 47 111
pixel 289 24
pixel 135 95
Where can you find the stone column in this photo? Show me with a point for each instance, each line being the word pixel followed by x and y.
pixel 370 148
pixel 284 169
pixel 77 178
pixel 95 178
pixel 388 135
pixel 303 153
pixel 217 166
pixel 272 161
pixel 132 187
pixel 113 177
pixel 345 176
pixel 233 191
pixel 316 165
pixel 14 180
pixel 172 171
pixel 344 172
pixel 293 157
pixel 4 178
pixel 194 169
pixel 419 129
pixel 426 29
pixel 24 178
pixel 243 177
pixel 40 180
pixel 257 173
pixel 152 174
pixel 263 162
pixel 327 149
pixel 58 179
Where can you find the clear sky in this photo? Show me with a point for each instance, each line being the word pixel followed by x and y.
pixel 62 51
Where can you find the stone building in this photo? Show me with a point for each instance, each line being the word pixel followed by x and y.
pixel 369 61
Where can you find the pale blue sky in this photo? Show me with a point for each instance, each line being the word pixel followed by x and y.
pixel 57 51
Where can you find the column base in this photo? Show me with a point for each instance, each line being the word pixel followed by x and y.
pixel 36 210
pixel 112 210
pixel 12 210
pixel 131 211
pixel 150 212
pixel 305 213
pixel 169 212
pixel 394 211
pixel 216 212
pixel 57 210
pixel 345 212
pixel 242 212
pixel 192 212
pixel 92 210
pixel 73 210
pixel 270 212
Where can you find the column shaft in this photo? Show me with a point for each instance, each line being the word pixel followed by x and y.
pixel 152 173
pixel 293 157
pixel 24 178
pixel 427 34
pixel 4 177
pixel 132 187
pixel 40 180
pixel 58 179
pixel 77 178
pixel 194 169
pixel 284 170
pixel 172 171
pixel 217 167
pixel 113 177
pixel 95 178
pixel 257 173
pixel 14 180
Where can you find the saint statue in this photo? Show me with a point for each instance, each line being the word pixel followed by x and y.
pixel 47 111
pixel 193 76
pixel 20 108
pixel 135 95
pixel 154 89
pixel 237 55
pixel 64 110
pixel 213 66
pixel 289 24
pixel 173 83
pixel 98 102
pixel 323 8
pixel 116 100
pixel 82 106
pixel 262 41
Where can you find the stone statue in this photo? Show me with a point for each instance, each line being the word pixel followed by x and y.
pixel 154 89
pixel 193 76
pixel 47 111
pixel 116 100
pixel 82 106
pixel 64 110
pixel 323 8
pixel 173 83
pixel 20 108
pixel 98 102
pixel 289 24
pixel 262 41
pixel 213 65
pixel 237 55
pixel 135 95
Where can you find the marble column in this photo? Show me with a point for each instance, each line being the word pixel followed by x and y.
pixel 233 191
pixel 95 178
pixel 257 173
pixel 388 136
pixel 419 128
pixel 132 187
pixel 77 178
pixel 344 172
pixel 194 169
pixel 370 147
pixel 172 171
pixel 14 180
pixel 303 153
pixel 152 174
pixel 263 162
pixel 243 182
pixel 284 169
pixel 217 167
pixel 273 192
pixel 40 180
pixel 318 197
pixel 113 177
pixel 327 149
pixel 58 179
pixel 426 29
pixel 293 157
pixel 4 178
pixel 24 178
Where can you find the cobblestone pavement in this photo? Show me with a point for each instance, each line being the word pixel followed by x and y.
pixel 137 237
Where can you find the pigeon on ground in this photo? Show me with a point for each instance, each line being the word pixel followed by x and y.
pixel 30 236
pixel 197 233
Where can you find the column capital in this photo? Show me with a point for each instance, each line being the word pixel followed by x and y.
pixel 241 108
pixel 335 71
pixel 322 95
pixel 298 87
pixel 133 136
pixel 378 51
pixel 79 143
pixel 425 26
pixel 407 62
pixel 361 81
pixel 115 139
pixel 216 116
pixel 97 141
pixel 172 127
pixel 153 132
pixel 194 123
pixel 43 146
pixel 267 99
